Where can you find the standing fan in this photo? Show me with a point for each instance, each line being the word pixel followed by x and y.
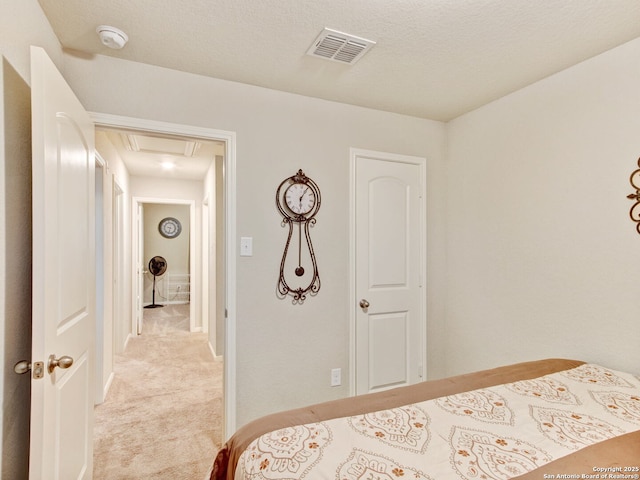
pixel 157 266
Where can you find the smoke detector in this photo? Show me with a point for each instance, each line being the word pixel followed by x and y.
pixel 339 47
pixel 112 37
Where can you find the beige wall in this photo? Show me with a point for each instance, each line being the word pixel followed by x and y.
pixel 113 332
pixel 220 259
pixel 174 250
pixel 213 192
pixel 279 345
pixel 148 189
pixel 543 258
pixel 117 175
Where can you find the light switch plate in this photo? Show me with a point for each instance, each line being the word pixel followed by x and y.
pixel 246 246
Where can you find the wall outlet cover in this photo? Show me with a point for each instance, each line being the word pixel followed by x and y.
pixel 336 377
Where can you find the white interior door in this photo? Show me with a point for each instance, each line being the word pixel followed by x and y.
pixel 390 303
pixel 63 322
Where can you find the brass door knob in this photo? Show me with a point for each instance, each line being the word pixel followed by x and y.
pixel 62 362
pixel 22 367
pixel 364 304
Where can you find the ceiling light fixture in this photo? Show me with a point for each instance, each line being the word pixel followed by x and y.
pixel 112 37
pixel 167 165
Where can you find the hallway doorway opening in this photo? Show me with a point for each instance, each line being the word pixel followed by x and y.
pixel 211 275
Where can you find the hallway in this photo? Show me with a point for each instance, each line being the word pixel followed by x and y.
pixel 162 418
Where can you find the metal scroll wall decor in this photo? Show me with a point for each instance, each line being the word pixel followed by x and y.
pixel 298 201
pixel 634 213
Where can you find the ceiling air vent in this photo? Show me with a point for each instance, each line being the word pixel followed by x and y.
pixel 339 47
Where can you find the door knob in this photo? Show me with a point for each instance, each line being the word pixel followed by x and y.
pixel 22 367
pixel 25 366
pixel 364 304
pixel 62 362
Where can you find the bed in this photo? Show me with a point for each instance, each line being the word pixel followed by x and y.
pixel 552 418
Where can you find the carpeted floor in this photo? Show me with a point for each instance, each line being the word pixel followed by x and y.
pixel 162 418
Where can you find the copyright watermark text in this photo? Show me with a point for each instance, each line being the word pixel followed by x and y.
pixel 600 473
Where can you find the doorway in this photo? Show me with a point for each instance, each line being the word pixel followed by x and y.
pixel 167 258
pixel 167 251
pixel 227 220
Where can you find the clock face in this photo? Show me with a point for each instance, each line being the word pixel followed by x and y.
pixel 300 198
pixel 170 227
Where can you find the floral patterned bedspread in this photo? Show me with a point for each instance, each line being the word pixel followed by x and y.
pixel 499 432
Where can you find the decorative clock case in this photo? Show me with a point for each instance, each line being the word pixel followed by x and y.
pixel 298 201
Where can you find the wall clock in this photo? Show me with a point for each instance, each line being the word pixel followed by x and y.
pixel 170 227
pixel 298 201
pixel 634 213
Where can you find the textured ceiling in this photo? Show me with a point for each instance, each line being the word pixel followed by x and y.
pixel 433 59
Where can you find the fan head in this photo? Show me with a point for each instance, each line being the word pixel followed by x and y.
pixel 157 265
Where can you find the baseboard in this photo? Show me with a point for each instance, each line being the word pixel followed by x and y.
pixel 126 342
pixel 107 385
pixel 216 358
pixel 167 302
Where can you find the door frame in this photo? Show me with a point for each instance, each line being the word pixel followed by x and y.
pixel 118 266
pixel 229 138
pixel 206 272
pixel 354 153
pixel 100 272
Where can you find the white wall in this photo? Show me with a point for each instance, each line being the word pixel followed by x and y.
pixel 543 258
pixel 121 322
pixel 21 24
pixel 279 345
pixel 114 328
pixel 215 296
pixel 220 258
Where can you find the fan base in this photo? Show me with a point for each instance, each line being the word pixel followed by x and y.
pixel 154 306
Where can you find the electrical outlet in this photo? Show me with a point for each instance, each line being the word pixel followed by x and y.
pixel 336 377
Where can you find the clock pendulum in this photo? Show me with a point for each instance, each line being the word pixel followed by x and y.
pixel 299 269
pixel 298 200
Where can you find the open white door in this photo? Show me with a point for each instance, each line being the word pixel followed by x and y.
pixel 63 322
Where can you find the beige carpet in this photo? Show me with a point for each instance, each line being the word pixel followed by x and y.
pixel 162 418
